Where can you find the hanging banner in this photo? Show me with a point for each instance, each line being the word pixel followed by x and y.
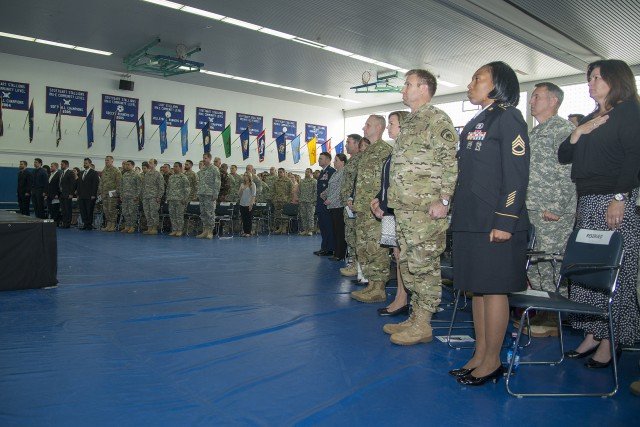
pixel 72 102
pixel 217 118
pixel 172 113
pixel 288 127
pixel 317 131
pixel 248 121
pixel 126 109
pixel 15 96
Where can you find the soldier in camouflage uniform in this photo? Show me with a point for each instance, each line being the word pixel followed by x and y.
pixel 373 259
pixel 551 196
pixel 422 178
pixel 152 192
pixel 282 188
pixel 235 181
pixel 348 179
pixel 129 192
pixel 307 200
pixel 177 196
pixel 225 184
pixel 193 179
pixel 109 182
pixel 270 180
pixel 208 189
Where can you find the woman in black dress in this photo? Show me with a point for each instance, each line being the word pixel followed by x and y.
pixel 490 221
pixel 605 154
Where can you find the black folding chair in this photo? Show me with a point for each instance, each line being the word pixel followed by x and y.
pixel 224 214
pixel 192 216
pixel 592 258
pixel 290 214
pixel 261 218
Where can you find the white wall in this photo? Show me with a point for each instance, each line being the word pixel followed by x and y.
pixel 14 145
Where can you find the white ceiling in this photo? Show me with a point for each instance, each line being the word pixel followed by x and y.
pixel 542 39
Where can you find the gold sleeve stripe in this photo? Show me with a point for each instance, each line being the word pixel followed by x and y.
pixel 511 199
pixel 518 147
pixel 510 216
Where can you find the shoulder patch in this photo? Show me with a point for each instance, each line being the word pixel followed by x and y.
pixel 518 147
pixel 448 136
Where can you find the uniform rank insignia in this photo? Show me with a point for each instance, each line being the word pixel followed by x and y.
pixel 479 125
pixel 518 147
pixel 510 199
pixel 478 146
pixel 447 135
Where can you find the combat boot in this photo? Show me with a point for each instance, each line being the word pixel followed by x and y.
pixel 131 230
pixel 111 227
pixel 394 328
pixel 124 230
pixel 151 231
pixel 419 331
pixel 202 235
pixel 374 292
pixel 173 233
pixel 209 235
pixel 349 270
pixel 178 234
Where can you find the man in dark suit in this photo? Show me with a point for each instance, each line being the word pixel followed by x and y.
pixel 324 217
pixel 87 192
pixel 52 193
pixel 25 180
pixel 67 188
pixel 38 188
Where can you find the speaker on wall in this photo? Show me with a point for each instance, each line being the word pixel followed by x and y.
pixel 126 85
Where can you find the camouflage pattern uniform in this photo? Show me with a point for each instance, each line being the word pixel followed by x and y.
pixel 235 181
pixel 208 190
pixel 110 181
pixel 193 184
pixel 308 196
pixel 348 181
pixel 373 259
pixel 281 195
pixel 225 187
pixel 152 191
pixel 550 189
pixel 166 177
pixel 270 180
pixel 178 192
pixel 423 168
pixel 130 188
pixel 262 190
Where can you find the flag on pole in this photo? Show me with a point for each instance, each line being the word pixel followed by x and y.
pixel 244 141
pixel 1 122
pixel 326 146
pixel 261 145
pixel 90 129
pixel 311 147
pixel 206 137
pixel 184 137
pixel 163 136
pixel 281 143
pixel 113 127
pixel 30 116
pixel 58 125
pixel 295 149
pixel 140 132
pixel 226 140
pixel 340 147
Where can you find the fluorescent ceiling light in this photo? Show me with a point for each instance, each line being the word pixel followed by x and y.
pixel 185 68
pixel 242 24
pixel 295 89
pixel 244 79
pixel 213 73
pixel 268 84
pixel 403 70
pixel 338 51
pixel 99 52
pixel 446 83
pixel 67 46
pixel 165 3
pixel 363 58
pixel 276 33
pixel 308 42
pixel 387 65
pixel 16 36
pixel 201 12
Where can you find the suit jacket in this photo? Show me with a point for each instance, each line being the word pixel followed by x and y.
pixel 88 186
pixel 67 183
pixel 53 189
pixel 493 174
pixel 323 184
pixel 25 180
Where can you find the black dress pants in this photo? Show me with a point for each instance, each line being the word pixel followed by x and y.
pixel 66 204
pixel 86 211
pixel 247 219
pixel 23 203
pixel 37 197
pixel 337 221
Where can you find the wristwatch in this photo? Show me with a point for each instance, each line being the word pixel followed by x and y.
pixel 620 197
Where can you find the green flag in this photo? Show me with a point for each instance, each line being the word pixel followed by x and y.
pixel 226 141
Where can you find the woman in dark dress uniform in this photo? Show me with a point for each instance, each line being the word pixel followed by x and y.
pixel 490 219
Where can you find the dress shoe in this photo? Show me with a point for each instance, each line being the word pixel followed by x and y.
pixel 385 312
pixel 572 354
pixel 327 253
pixel 458 373
pixel 335 258
pixel 321 252
pixel 477 381
pixel 594 364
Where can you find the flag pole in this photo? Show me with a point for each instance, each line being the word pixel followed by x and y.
pixel 134 126
pixel 154 132
pixel 196 137
pixel 82 125
pixel 105 131
pixel 174 137
pixel 25 120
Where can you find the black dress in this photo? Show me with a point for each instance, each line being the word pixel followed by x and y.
pixel 493 162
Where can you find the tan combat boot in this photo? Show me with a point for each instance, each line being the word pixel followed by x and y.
pixel 419 331
pixel 124 230
pixel 374 292
pixel 131 230
pixel 202 235
pixel 394 328
pixel 209 235
pixel 173 233
pixel 349 270
pixel 112 227
pixel 178 234
pixel 151 231
pixel 545 324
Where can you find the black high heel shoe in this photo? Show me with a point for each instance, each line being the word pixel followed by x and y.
pixel 462 372
pixel 385 312
pixel 572 354
pixel 594 364
pixel 478 381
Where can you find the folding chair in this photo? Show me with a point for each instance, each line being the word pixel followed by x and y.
pixel 261 218
pixel 593 259
pixel 224 213
pixel 192 216
pixel 164 215
pixel 289 214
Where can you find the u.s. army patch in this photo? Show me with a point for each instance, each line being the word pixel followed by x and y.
pixel 448 136
pixel 518 146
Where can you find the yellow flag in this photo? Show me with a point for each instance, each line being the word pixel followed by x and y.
pixel 311 147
